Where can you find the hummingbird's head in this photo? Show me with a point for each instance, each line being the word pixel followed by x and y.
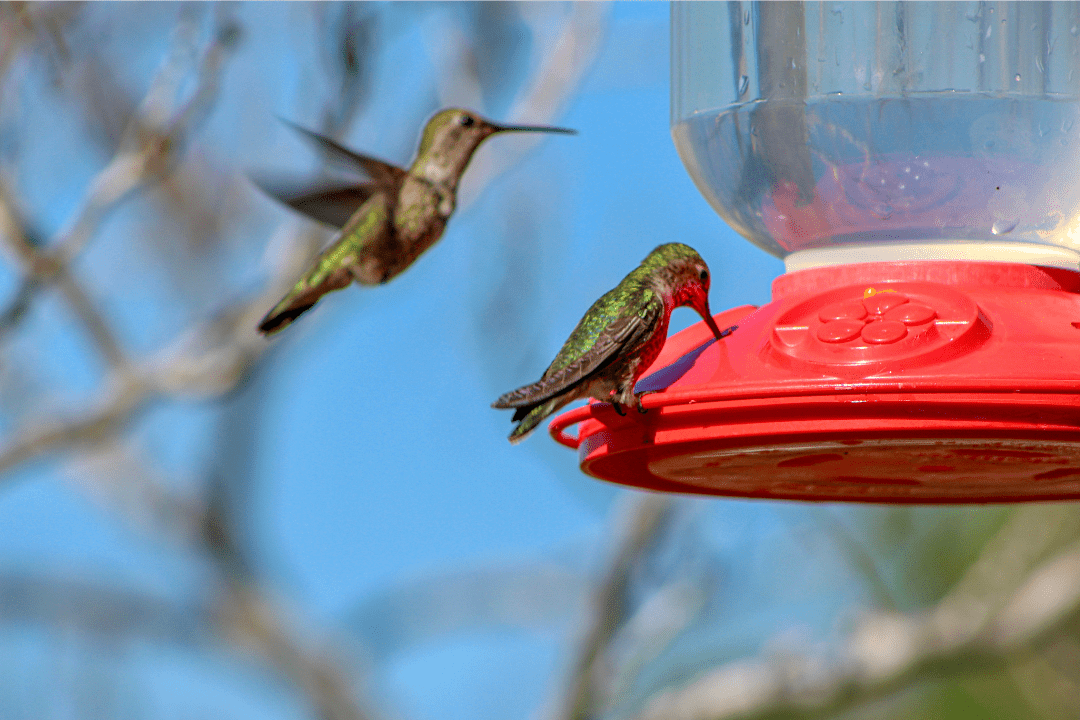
pixel 684 274
pixel 450 138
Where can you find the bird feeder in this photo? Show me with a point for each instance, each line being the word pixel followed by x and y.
pixel 915 165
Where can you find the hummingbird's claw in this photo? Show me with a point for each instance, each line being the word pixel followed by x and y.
pixel 637 401
pixel 619 409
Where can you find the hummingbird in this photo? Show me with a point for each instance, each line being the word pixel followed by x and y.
pixel 620 336
pixel 387 222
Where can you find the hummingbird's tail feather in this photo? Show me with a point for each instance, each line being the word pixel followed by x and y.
pixel 523 398
pixel 532 416
pixel 301 299
pixel 549 386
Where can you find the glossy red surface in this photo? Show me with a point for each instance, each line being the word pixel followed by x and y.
pixel 918 382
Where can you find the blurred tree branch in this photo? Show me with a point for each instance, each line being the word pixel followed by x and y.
pixel 558 74
pixel 150 144
pixel 95 608
pixel 206 360
pixel 1015 612
pixel 147 150
pixel 642 521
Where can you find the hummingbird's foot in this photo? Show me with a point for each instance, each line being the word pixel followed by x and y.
pixel 637 400
pixel 618 409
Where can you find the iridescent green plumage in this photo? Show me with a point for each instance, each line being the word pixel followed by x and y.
pixel 389 221
pixel 618 338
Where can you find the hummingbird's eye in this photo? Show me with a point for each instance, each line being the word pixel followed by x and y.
pixel 704 275
pixel 466 120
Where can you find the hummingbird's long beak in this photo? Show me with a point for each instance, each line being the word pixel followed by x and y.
pixel 703 311
pixel 531 128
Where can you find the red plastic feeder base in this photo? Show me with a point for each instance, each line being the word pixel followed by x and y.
pixel 906 382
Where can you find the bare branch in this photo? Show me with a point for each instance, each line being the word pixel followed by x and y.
pixel 243 617
pixel 156 134
pixel 146 150
pixel 247 617
pixel 148 147
pixel 242 614
pixel 41 265
pixel 119 477
pixel 642 522
pixel 964 632
pixel 536 595
pixel 858 555
pixel 558 75
pixel 98 609
pixel 116 407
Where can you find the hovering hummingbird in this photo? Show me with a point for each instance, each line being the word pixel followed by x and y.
pixel 618 339
pixel 386 223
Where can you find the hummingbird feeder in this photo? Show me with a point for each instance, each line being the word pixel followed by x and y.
pixel 916 166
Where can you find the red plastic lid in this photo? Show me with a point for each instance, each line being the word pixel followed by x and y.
pixel 918 382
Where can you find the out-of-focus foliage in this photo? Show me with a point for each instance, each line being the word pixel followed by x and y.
pixel 146 572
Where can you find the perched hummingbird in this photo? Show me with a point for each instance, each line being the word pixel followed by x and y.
pixel 618 339
pixel 388 222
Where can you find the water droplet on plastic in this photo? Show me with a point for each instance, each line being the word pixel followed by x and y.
pixel 1003 227
pixel 1066 125
pixel 744 85
pixel 989 29
pixel 1074 30
pixel 989 144
pixel 902 186
pixel 916 177
pixel 746 18
pixel 907 169
pixel 982 58
pixel 793 66
pixel 1017 78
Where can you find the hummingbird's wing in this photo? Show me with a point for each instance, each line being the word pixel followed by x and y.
pixel 381 172
pixel 332 269
pixel 601 338
pixel 327 203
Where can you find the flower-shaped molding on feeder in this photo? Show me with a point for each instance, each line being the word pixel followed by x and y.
pixel 915 382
